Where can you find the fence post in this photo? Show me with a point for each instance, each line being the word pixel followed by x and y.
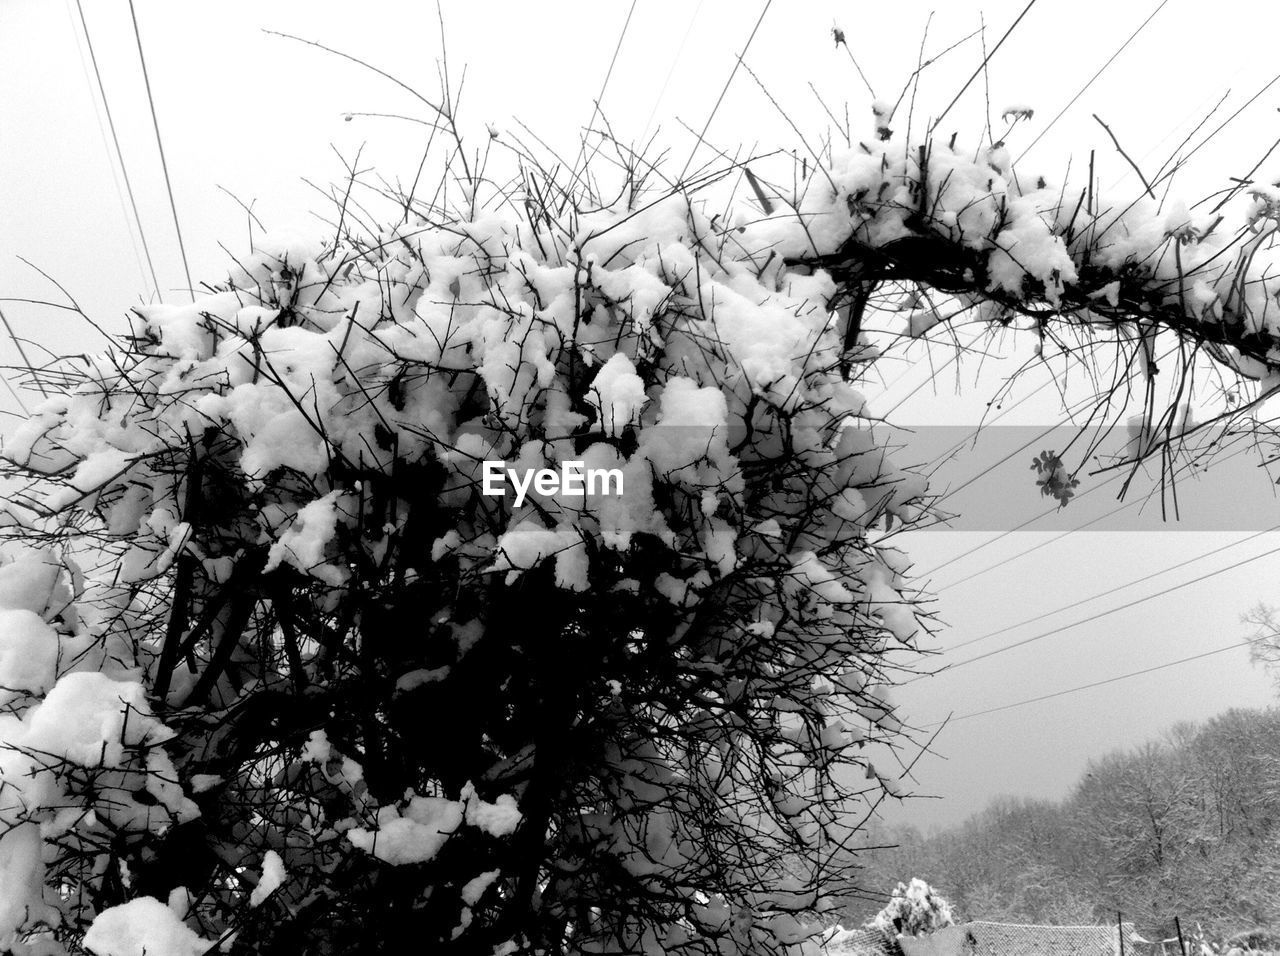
pixel 1177 924
pixel 1120 930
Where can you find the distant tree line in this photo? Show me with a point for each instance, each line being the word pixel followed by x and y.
pixel 1185 826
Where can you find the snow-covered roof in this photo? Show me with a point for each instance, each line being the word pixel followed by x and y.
pixel 1009 939
pixel 860 942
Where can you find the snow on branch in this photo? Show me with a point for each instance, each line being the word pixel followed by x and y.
pixel 639 720
pixel 964 222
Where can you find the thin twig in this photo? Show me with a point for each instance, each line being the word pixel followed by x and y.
pixel 1120 149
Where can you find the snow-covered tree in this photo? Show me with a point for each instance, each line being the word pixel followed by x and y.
pixel 914 909
pixel 278 673
pixel 1265 649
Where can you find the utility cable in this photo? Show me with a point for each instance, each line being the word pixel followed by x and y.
pixel 727 83
pixel 1104 682
pixel 1107 613
pixel 1092 79
pixel 164 165
pixel 115 139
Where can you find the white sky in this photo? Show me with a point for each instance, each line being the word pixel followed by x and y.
pixel 257 115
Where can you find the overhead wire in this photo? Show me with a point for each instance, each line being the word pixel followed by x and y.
pixel 724 91
pixel 1004 534
pixel 1112 590
pixel 1047 513
pixel 1060 114
pixel 1036 547
pixel 671 70
pixel 1166 570
pixel 582 147
pixel 983 65
pixel 1125 506
pixel 1102 69
pixel 164 164
pixel 1177 127
pixel 115 139
pixel 1106 613
pixel 1163 175
pixel 1103 682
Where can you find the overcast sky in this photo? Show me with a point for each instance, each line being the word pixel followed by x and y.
pixel 259 116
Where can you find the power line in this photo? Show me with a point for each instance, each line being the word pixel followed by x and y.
pixel 604 86
pixel 1177 127
pixel 974 434
pixel 1029 521
pixel 164 165
pixel 977 431
pixel 1073 100
pixel 115 139
pixel 1043 544
pixel 1107 613
pixel 1004 534
pixel 929 379
pixel 1113 57
pixel 1102 683
pixel 983 65
pixel 1033 519
pixel 671 70
pixel 1095 76
pixel 1123 46
pixel 1162 176
pixel 1034 440
pixel 1113 590
pixel 727 83
pixel 1125 506
pixel 937 463
pixel 106 150
pixel 887 385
